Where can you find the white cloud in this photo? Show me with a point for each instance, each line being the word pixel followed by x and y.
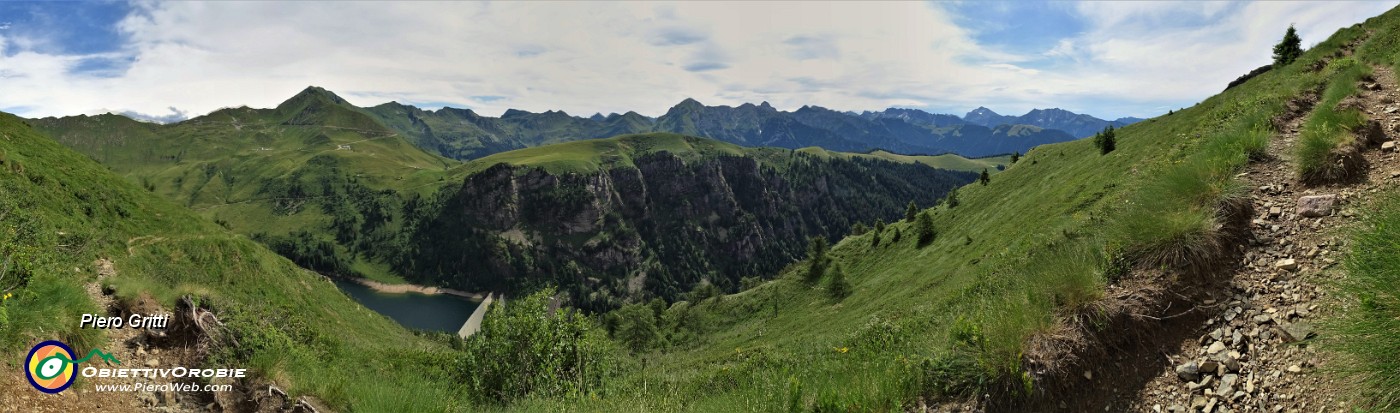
pixel 613 57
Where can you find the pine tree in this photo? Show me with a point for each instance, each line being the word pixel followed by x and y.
pixel 1015 157
pixel 985 178
pixel 817 260
pixel 837 285
pixel 897 235
pixel 925 228
pixel 1288 49
pixel 1106 140
pixel 910 211
pixel 879 225
pixel 951 200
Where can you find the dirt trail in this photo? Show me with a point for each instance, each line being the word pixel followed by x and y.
pixel 1254 352
pixel 131 347
pixel 184 342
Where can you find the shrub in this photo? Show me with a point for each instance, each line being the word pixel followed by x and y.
pixel 522 350
pixel 1015 157
pixel 951 200
pixel 748 283
pixel 636 326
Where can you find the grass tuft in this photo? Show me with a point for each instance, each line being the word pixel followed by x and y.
pixel 1326 144
pixel 1368 333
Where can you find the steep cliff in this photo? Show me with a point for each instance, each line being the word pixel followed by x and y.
pixel 656 229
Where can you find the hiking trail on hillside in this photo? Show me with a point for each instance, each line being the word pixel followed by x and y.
pixel 1255 351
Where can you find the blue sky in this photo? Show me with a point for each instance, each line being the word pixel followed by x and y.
pixel 170 60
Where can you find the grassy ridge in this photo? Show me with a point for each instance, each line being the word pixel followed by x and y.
pixel 59 211
pixel 588 156
pixel 950 161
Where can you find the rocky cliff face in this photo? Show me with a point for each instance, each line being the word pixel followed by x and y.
pixel 656 229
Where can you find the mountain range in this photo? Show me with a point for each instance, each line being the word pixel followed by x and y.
pixel 464 134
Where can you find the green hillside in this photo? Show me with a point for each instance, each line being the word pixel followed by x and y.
pixel 948 161
pixel 60 211
pixel 1019 261
pixel 313 161
pixel 592 155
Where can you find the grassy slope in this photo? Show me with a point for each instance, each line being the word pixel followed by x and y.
pixel 1368 333
pixel 294 327
pixel 588 156
pixel 219 164
pixel 216 164
pixel 785 343
pixel 945 161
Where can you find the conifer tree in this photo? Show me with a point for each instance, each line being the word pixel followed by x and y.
pixel 910 211
pixel 985 178
pixel 925 228
pixel 1106 140
pixel 817 259
pixel 837 285
pixel 1288 49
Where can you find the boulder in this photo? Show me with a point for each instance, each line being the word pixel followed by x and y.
pixel 1297 331
pixel 1286 264
pixel 1316 205
pixel 1388 146
pixel 1188 371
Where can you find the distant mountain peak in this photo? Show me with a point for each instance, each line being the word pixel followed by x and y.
pixel 320 92
pixel 982 111
pixel 689 105
pixel 510 113
pixel 311 96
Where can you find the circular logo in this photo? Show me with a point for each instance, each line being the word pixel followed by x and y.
pixel 50 366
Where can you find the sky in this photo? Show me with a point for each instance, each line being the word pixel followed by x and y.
pixel 167 61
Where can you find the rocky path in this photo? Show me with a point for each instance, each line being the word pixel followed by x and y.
pixel 1255 352
pixel 129 346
